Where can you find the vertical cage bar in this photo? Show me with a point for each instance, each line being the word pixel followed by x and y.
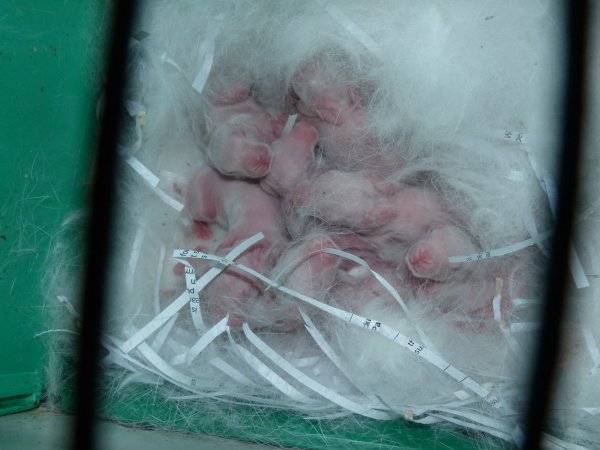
pixel 100 225
pixel 543 373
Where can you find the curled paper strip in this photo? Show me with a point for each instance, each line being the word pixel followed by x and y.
pixel 194 296
pixel 208 49
pixel 152 180
pixel 271 376
pixel 327 393
pixel 183 299
pixel 550 189
pixel 388 287
pixel 232 372
pixel 358 321
pixel 206 339
pixel 141 352
pixel 142 170
pixel 333 357
pixel 487 254
pixel 134 256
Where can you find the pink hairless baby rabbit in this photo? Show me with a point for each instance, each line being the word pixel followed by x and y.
pixel 336 107
pixel 240 208
pixel 240 135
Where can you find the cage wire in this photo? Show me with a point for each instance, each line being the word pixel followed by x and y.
pixel 332 225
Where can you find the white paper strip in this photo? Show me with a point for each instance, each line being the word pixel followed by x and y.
pixel 166 59
pixel 291 120
pixel 182 300
pixel 335 359
pixel 194 296
pixel 322 343
pixel 199 82
pixel 206 339
pixel 163 333
pixel 207 50
pixel 487 254
pixel 166 369
pixel 170 201
pixel 232 372
pixel 152 180
pixel 325 392
pixel 134 256
pixel 362 322
pixel 115 356
pixel 477 418
pixel 268 374
pixel 388 287
pixel 142 170
pixel 508 337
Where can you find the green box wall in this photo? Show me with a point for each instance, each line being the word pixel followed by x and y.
pixel 49 76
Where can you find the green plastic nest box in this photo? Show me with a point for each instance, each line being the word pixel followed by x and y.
pixel 50 81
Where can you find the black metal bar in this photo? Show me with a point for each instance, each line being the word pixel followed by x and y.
pixel 99 227
pixel 558 278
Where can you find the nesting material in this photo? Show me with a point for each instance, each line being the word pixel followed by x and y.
pixel 343 209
